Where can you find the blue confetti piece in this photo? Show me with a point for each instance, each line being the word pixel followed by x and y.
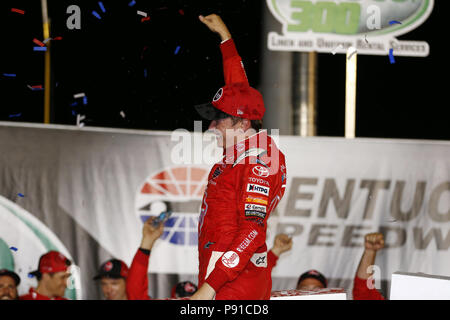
pixel 101 6
pixel 145 73
pixel 13 248
pixel 391 56
pixel 39 48
pixel 30 275
pixel 96 14
pixel 74 113
pixel 177 50
pixel 74 104
pixel 15 115
pixel 12 75
pixel 394 22
pixel 85 100
pixel 132 3
pixel 20 195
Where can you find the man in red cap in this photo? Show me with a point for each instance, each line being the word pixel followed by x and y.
pixel 9 281
pixel 52 275
pixel 118 282
pixel 243 188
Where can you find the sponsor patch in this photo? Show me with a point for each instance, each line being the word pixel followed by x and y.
pixel 259 259
pixel 255 207
pixel 252 213
pixel 230 259
pixel 256 188
pixel 256 200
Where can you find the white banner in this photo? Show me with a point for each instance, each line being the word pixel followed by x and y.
pixel 106 182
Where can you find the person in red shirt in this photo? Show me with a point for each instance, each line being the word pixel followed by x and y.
pixel 9 281
pixel 52 275
pixel 118 282
pixel 242 190
pixel 364 289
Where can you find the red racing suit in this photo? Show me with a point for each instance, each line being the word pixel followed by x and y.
pixel 243 189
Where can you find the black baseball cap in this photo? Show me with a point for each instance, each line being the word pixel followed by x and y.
pixel 12 274
pixel 315 275
pixel 114 269
pixel 183 289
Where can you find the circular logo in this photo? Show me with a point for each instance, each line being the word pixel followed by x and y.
pixel 218 95
pixel 261 171
pixel 179 189
pixel 230 259
pixel 108 266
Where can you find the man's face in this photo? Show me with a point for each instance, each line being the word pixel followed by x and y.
pixel 227 133
pixel 310 284
pixel 114 289
pixel 8 288
pixel 56 283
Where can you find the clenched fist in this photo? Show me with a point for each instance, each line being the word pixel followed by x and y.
pixel 374 241
pixel 150 234
pixel 281 244
pixel 216 24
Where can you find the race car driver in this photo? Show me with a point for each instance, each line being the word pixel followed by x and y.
pixel 243 189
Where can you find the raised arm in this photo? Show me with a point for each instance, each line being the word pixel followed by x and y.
pixel 361 290
pixel 137 281
pixel 233 67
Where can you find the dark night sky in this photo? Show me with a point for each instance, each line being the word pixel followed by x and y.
pixel 107 60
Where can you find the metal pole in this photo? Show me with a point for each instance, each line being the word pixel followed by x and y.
pixel 304 93
pixel 47 84
pixel 350 93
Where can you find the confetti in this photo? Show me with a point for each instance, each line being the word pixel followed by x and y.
pixel 141 13
pixel 181 12
pixel 391 56
pixel 47 40
pixel 39 48
pixel 20 195
pixel 334 50
pixel 79 119
pixel 85 100
pixel 101 6
pixel 35 88
pixel 39 43
pixel 177 50
pixel 132 3
pixel 145 19
pixel 15 115
pixel 122 114
pixel 96 14
pixel 74 113
pixel 30 275
pixel 13 248
pixel 57 38
pixel 11 75
pixel 17 10
pixel 79 95
pixel 145 73
pixel 394 22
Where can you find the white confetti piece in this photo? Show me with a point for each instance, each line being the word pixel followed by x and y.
pixel 141 13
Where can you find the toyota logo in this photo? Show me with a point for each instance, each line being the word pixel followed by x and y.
pixel 261 171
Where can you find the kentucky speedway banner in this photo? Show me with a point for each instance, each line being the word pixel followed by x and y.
pixel 86 191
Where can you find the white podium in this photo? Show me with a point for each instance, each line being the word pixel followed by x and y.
pixel 419 286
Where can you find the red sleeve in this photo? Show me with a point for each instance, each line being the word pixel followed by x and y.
pixel 362 292
pixel 251 232
pixel 137 280
pixel 271 260
pixel 233 67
